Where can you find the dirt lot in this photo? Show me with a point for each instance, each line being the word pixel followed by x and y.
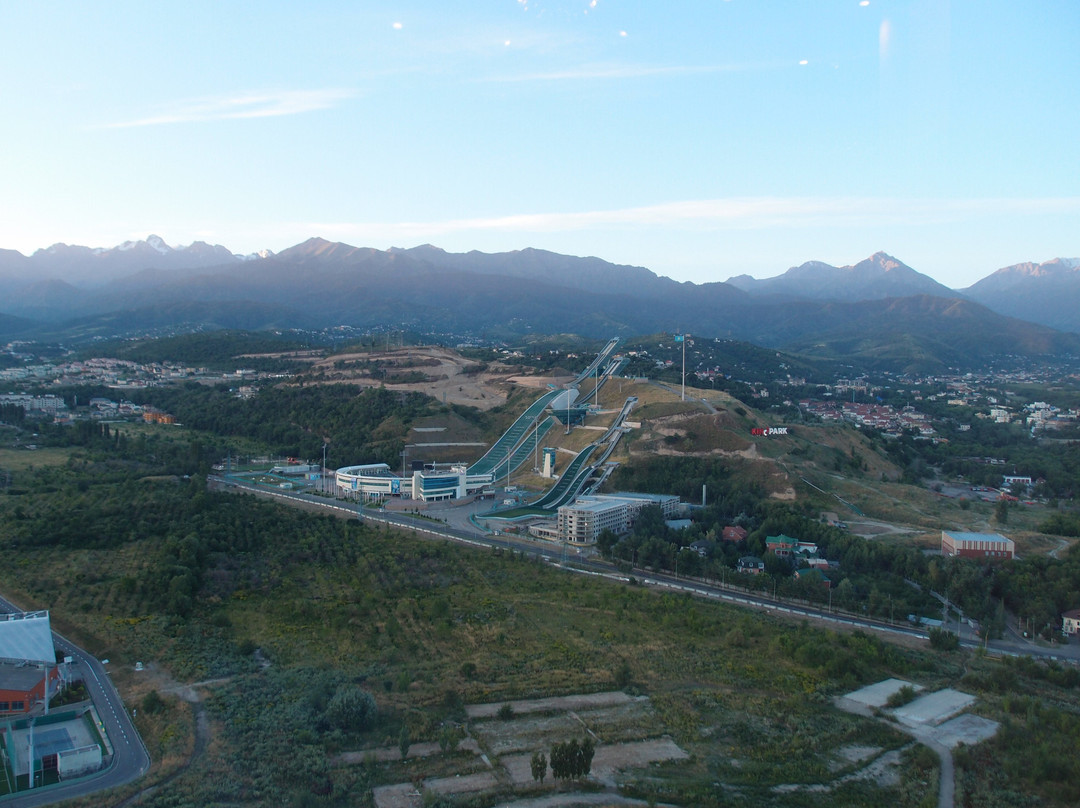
pixel 445 373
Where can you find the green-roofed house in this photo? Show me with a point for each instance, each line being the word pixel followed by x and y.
pixel 813 574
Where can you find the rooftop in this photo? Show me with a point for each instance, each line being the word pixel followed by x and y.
pixel 20 676
pixel 958 535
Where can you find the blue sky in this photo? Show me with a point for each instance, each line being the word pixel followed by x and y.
pixel 702 139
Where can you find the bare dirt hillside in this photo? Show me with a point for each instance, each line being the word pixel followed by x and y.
pixel 438 372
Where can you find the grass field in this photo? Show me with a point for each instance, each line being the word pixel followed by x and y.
pixel 16 460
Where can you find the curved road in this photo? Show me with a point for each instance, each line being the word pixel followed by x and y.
pixel 130 760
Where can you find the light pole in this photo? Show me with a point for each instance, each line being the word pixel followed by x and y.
pixel 404 455
pixel 322 470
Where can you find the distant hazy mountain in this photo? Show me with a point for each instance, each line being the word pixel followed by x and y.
pixel 925 334
pixel 873 310
pixel 1047 293
pixel 97 265
pixel 878 277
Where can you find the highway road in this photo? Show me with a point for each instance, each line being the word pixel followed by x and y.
pixel 712 590
pixel 130 760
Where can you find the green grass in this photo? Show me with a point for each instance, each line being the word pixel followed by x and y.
pixel 17 460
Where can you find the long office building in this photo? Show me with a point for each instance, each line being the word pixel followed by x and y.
pixel 582 521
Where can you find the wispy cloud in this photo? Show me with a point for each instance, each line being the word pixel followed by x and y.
pixel 627 71
pixel 248 105
pixel 745 213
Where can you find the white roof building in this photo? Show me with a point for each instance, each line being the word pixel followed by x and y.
pixel 26 636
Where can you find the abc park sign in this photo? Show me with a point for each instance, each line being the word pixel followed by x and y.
pixel 769 431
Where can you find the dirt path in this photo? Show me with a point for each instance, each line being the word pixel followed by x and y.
pixel 188 694
pixel 202 740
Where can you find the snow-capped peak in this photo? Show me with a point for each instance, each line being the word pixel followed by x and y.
pixel 158 244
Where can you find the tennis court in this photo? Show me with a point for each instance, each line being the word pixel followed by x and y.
pixel 48 740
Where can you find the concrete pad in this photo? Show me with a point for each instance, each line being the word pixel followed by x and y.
pixel 584 701
pixel 878 695
pixel 965 729
pixel 463 784
pixel 611 758
pixel 607 759
pixel 400 795
pixel 934 708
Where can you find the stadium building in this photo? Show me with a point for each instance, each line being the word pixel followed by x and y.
pixel 431 483
pixel 29 675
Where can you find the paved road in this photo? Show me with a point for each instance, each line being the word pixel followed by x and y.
pixel 130 760
pixel 707 589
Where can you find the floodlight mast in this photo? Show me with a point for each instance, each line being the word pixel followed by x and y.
pixel 684 367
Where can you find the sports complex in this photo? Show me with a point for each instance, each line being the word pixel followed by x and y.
pixel 437 482
pixel 38 747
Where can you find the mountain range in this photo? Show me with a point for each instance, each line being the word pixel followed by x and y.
pixel 879 309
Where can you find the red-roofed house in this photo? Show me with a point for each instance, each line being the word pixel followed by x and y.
pixel 733 533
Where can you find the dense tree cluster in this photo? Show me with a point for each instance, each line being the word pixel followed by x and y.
pixel 360 424
pixel 572 760
pixel 874 578
pixel 221 350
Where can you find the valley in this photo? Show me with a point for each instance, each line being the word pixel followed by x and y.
pixel 236 595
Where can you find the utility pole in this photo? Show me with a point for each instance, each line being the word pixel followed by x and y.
pixel 682 338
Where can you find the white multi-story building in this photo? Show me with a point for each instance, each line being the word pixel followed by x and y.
pixel 582 522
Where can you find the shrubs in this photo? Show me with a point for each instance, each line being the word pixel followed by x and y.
pixel 942 640
pixel 352 709
pixel 901 697
pixel 153 703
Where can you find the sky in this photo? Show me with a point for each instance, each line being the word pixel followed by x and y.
pixel 699 138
